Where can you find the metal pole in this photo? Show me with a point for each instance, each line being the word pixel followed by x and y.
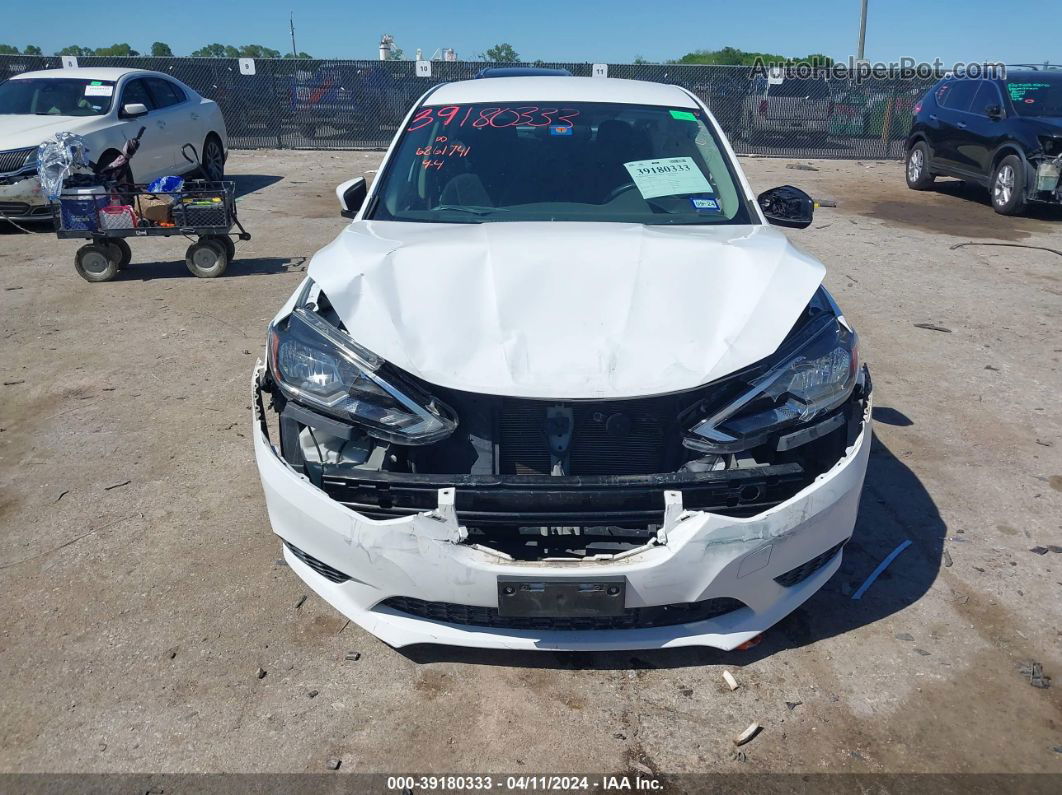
pixel 291 20
pixel 862 32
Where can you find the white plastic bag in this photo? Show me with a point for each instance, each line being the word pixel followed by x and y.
pixel 58 158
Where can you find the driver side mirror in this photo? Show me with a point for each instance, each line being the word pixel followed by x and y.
pixel 351 195
pixel 787 206
pixel 994 112
pixel 133 109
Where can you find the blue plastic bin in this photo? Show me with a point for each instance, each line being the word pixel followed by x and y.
pixel 80 209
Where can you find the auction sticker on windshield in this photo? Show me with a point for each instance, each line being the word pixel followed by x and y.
pixel 99 90
pixel 672 176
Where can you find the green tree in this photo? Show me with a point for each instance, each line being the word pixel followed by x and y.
pixel 32 49
pixel 396 53
pixel 501 53
pixel 258 51
pixel 216 51
pixel 732 56
pixel 73 49
pixel 161 49
pixel 300 55
pixel 640 60
pixel 7 49
pixel 116 49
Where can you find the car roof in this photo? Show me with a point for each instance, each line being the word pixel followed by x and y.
pixel 88 73
pixel 521 71
pixel 1033 74
pixel 560 89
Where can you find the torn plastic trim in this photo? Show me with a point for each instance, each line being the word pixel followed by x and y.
pixel 439 524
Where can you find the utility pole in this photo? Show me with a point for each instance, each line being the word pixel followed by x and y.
pixel 291 21
pixel 862 32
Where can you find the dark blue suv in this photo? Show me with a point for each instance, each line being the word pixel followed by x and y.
pixel 1004 134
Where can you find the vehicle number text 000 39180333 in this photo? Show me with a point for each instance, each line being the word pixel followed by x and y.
pixel 523 116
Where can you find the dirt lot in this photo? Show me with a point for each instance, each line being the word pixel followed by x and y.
pixel 141 588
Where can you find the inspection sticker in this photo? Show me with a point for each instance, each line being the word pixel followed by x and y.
pixel 706 205
pixel 560 129
pixel 99 91
pixel 672 176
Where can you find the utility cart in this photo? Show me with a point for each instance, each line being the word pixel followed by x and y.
pixel 107 207
pixel 204 212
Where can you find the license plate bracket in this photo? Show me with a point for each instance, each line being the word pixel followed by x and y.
pixel 535 597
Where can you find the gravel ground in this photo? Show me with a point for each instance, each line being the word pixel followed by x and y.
pixel 143 598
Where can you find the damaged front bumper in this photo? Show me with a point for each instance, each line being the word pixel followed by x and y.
pixel 22 199
pixel 704 579
pixel 1046 182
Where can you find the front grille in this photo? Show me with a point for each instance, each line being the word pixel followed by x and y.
pixel 805 570
pixel 13 208
pixel 623 437
pixel 323 569
pixel 632 618
pixel 14 159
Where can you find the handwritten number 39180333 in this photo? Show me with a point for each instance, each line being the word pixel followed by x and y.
pixel 524 116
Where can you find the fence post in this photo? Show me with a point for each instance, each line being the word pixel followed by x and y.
pixel 886 124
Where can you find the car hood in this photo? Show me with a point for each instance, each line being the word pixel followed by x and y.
pixel 18 131
pixel 566 310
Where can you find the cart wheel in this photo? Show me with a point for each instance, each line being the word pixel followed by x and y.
pixel 206 259
pixel 123 255
pixel 226 243
pixel 95 263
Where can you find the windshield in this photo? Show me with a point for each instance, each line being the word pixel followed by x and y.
pixel 56 96
pixel 1036 96
pixel 543 161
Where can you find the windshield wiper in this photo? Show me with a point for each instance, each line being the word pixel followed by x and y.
pixel 474 210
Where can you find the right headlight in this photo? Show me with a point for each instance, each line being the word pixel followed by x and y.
pixel 816 375
pixel 316 364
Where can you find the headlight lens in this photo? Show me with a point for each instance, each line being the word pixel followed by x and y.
pixel 316 364
pixel 817 376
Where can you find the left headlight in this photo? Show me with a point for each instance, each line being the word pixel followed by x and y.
pixel 316 364
pixel 816 375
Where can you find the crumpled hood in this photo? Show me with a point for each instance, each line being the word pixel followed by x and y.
pixel 566 310
pixel 18 131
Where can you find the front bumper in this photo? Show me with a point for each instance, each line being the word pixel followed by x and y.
pixel 21 199
pixel 703 556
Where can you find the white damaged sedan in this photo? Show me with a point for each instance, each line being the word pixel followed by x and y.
pixel 561 384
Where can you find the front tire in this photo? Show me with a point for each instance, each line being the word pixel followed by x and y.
pixel 1008 186
pixel 122 254
pixel 919 176
pixel 206 259
pixel 96 263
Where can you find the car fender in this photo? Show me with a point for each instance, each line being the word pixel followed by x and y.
pixel 215 123
pixel 919 135
pixel 1013 148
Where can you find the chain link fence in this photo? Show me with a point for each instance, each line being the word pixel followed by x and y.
pixel 329 104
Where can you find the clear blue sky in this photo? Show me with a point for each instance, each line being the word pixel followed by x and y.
pixel 553 30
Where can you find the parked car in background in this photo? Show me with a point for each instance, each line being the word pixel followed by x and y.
pixel 562 383
pixel 797 105
pixel 863 113
pixel 356 100
pixel 1004 134
pixel 106 107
